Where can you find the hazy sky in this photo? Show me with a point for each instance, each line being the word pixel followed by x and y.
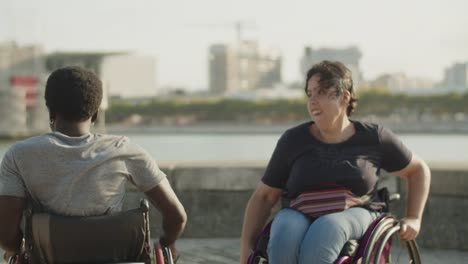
pixel 417 37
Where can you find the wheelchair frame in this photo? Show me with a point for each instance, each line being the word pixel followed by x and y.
pixel 373 248
pixel 375 245
pixel 159 254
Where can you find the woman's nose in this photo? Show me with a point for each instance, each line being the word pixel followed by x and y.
pixel 313 98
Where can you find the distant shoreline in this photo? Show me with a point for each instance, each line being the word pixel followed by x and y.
pixel 449 127
pixel 232 128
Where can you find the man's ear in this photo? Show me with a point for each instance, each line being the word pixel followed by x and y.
pixel 51 116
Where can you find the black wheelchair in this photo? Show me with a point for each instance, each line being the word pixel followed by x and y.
pixel 377 246
pixel 119 238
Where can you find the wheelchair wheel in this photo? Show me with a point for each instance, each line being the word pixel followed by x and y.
pixel 385 245
pixel 12 259
pixel 162 255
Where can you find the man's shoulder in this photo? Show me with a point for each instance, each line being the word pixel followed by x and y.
pixel 120 144
pixel 28 143
pixel 52 141
pixel 118 139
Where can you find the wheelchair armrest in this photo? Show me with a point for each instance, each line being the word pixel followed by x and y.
pixel 394 197
pixel 144 205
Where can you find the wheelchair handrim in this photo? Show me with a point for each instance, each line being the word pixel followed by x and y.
pixel 382 226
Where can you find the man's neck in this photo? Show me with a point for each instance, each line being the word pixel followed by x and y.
pixel 73 129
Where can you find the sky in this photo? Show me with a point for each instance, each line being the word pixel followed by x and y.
pixel 419 38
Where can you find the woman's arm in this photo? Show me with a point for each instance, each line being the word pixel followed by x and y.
pixel 418 178
pixel 256 214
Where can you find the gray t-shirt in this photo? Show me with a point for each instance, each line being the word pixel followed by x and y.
pixel 79 176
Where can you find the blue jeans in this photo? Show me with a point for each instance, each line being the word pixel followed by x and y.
pixel 294 238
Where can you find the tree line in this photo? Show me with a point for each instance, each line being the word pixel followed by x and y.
pixel 374 102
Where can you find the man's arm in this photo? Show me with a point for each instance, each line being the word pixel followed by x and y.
pixel 174 217
pixel 11 212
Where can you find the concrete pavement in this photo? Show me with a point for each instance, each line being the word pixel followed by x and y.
pixel 226 251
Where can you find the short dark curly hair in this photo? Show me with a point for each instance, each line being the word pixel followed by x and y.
pixel 73 92
pixel 334 74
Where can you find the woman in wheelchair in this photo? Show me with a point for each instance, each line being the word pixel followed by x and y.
pixel 72 175
pixel 326 172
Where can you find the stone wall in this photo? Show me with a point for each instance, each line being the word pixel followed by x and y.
pixel 215 195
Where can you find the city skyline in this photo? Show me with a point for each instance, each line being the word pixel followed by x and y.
pixel 419 38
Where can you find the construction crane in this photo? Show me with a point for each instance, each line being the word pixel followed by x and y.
pixel 239 27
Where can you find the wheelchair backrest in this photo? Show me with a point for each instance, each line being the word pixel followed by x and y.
pixel 122 237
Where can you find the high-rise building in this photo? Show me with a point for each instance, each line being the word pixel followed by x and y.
pixel 456 78
pixel 129 75
pixel 223 68
pixel 124 75
pixel 20 60
pixel 22 75
pixel 245 67
pixel 258 67
pixel 13 112
pixel 348 56
pixel 400 83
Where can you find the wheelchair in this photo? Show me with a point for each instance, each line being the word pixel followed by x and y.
pixel 375 247
pixel 119 238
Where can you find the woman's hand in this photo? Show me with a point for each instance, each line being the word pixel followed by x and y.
pixel 409 228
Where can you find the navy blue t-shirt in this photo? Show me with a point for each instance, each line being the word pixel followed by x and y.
pixel 301 163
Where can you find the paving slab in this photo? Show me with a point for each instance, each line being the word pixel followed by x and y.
pixel 226 251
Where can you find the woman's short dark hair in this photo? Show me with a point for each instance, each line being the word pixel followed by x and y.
pixel 334 74
pixel 73 92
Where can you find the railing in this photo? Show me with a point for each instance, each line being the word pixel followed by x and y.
pixel 215 195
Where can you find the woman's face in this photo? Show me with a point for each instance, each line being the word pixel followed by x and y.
pixel 324 105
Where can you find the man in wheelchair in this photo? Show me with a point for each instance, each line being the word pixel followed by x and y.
pixel 72 177
pixel 327 170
